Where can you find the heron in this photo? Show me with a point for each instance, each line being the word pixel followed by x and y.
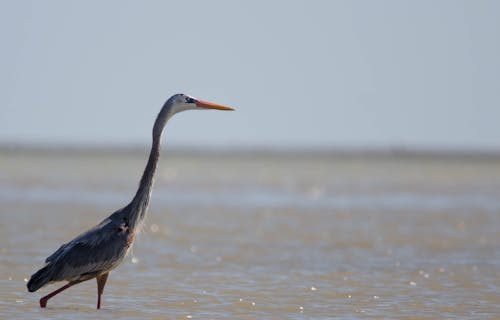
pixel 97 251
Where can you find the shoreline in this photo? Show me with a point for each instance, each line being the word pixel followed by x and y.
pixel 238 151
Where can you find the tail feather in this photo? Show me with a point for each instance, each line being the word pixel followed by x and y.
pixel 39 279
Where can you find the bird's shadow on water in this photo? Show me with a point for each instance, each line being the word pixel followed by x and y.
pixel 76 312
pixel 76 308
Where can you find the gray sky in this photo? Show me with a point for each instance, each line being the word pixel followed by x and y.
pixel 301 73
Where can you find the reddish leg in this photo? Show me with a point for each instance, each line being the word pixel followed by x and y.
pixel 43 300
pixel 101 281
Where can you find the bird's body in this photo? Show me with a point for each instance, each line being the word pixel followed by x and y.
pixel 96 252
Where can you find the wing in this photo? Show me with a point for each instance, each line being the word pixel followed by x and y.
pixel 84 237
pixel 98 250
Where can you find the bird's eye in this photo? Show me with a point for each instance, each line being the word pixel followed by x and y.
pixel 189 100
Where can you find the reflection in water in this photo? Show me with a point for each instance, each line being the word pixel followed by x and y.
pixel 265 236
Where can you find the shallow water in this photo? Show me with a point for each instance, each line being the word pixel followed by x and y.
pixel 262 236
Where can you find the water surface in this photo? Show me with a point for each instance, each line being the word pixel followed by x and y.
pixel 258 236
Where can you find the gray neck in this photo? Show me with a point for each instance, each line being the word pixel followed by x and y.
pixel 139 205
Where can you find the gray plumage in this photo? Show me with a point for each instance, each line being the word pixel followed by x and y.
pixel 96 252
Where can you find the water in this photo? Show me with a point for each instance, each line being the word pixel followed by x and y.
pixel 262 236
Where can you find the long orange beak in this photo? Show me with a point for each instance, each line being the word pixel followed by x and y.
pixel 211 105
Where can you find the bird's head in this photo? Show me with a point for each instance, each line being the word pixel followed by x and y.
pixel 180 102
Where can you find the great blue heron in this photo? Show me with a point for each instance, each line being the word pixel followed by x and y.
pixel 96 252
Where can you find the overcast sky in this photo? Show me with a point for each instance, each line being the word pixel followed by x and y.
pixel 300 73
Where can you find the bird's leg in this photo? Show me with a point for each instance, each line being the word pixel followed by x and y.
pixel 43 300
pixel 101 281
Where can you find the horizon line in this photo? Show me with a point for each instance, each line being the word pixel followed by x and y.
pixel 254 149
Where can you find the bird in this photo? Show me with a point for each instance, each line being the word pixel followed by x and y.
pixel 97 251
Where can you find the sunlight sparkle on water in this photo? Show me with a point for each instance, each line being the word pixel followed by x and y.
pixel 154 228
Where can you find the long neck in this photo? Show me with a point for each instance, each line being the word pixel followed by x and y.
pixel 139 205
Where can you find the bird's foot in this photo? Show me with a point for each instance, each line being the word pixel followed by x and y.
pixel 43 303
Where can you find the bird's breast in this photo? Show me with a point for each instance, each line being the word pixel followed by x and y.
pixel 130 238
pixel 124 230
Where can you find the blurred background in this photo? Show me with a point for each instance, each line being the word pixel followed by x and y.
pixel 359 176
pixel 330 74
